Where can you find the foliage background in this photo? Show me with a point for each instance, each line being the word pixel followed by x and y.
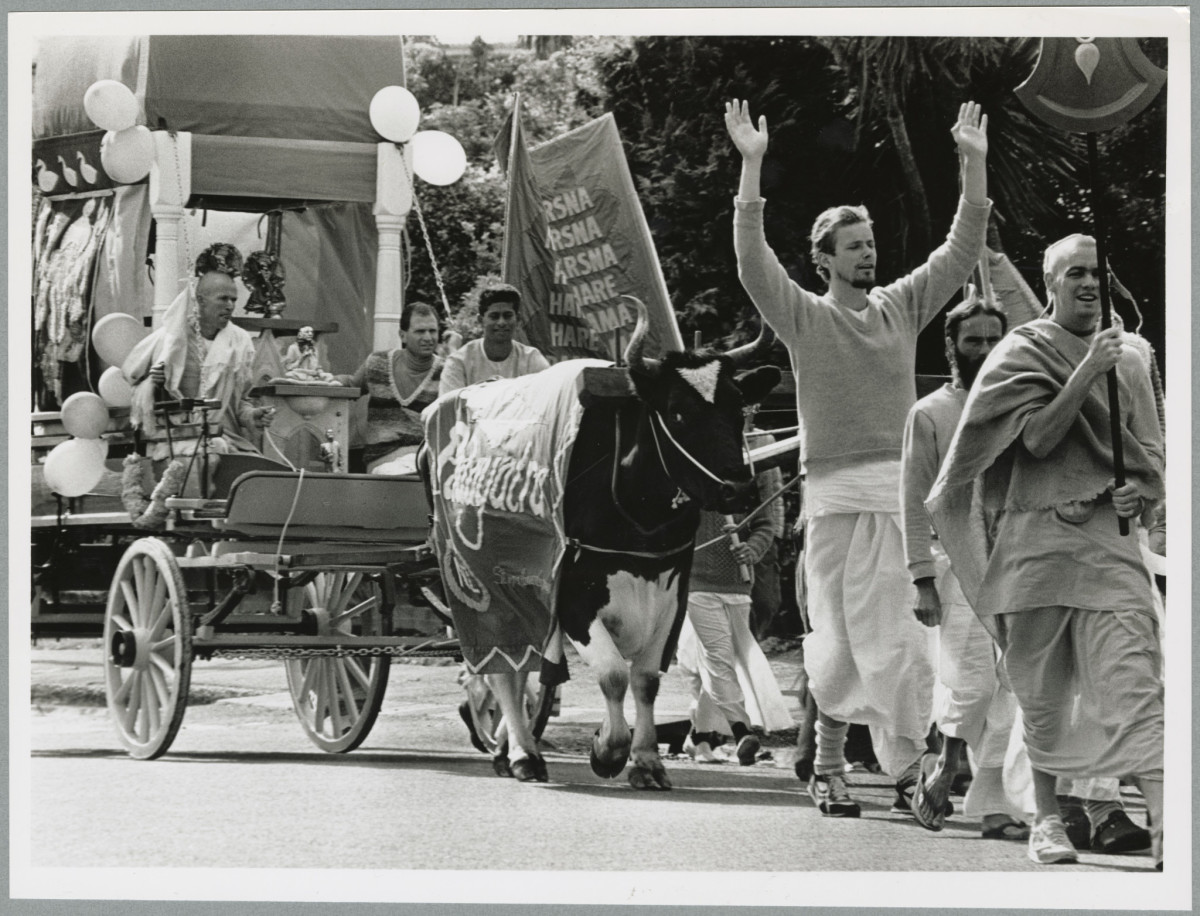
pixel 851 120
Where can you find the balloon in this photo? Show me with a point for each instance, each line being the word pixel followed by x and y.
pixel 115 335
pixel 84 415
pixel 395 113
pixel 114 389
pixel 111 105
pixel 438 157
pixel 127 154
pixel 73 467
pixel 99 446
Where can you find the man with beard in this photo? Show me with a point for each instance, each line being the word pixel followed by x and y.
pixel 853 351
pixel 975 709
pixel 1027 507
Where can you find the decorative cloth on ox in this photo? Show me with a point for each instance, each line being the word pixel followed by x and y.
pixel 987 471
pixel 499 452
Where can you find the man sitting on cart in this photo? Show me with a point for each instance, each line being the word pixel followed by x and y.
pixel 199 353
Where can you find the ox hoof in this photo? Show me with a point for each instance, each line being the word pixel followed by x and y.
pixel 649 778
pixel 530 769
pixel 604 766
pixel 501 765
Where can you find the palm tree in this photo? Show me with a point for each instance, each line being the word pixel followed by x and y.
pixel 895 83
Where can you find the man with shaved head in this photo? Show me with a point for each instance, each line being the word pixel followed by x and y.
pixel 1027 507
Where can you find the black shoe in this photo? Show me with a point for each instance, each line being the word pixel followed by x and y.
pixel 501 765
pixel 530 769
pixel 1119 834
pixel 1075 819
pixel 747 749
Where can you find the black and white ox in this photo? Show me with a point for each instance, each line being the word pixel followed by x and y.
pixel 641 470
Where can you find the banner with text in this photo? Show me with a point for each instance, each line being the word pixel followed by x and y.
pixel 584 245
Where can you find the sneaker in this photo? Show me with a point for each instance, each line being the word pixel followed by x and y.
pixel 1048 842
pixel 828 792
pixel 747 749
pixel 1120 834
pixel 700 751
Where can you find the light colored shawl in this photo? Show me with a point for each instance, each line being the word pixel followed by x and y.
pixel 226 372
pixel 988 470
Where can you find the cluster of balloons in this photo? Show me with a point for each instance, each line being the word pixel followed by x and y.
pixel 74 467
pixel 437 157
pixel 127 150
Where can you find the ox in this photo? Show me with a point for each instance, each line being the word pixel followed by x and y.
pixel 640 471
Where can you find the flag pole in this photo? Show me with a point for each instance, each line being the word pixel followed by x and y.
pixel 1114 405
pixel 513 133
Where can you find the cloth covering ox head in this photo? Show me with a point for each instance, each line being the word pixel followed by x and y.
pixel 695 401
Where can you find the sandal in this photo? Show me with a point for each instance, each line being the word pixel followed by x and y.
pixel 1008 829
pixel 926 814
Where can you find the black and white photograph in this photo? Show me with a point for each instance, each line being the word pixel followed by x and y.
pixel 517 459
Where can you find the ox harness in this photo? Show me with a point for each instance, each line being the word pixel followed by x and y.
pixel 679 499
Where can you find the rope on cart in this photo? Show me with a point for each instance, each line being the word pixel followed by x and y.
pixel 437 273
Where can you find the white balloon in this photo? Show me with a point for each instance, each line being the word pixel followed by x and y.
pixel 99 446
pixel 127 154
pixel 73 467
pixel 114 389
pixel 395 113
pixel 438 157
pixel 115 335
pixel 111 105
pixel 84 415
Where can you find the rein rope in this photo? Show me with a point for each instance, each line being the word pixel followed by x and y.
pixel 679 448
pixel 613 483
pixel 750 515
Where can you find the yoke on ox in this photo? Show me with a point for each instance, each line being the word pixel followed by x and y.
pixel 567 503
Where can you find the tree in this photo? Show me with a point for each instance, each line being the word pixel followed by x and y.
pixel 856 120
pixel 464 221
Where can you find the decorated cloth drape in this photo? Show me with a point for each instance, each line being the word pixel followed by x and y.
pixel 67 239
pixel 499 453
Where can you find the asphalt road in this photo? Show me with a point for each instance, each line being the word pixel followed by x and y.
pixel 242 788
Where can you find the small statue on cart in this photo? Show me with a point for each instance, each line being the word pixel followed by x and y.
pixel 264 277
pixel 331 452
pixel 302 363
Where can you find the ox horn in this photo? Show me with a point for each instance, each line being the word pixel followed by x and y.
pixel 743 356
pixel 633 351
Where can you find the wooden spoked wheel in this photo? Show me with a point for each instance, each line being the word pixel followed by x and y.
pixel 337 698
pixel 148 648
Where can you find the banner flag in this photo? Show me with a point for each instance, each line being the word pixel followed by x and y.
pixel 584 246
pixel 526 260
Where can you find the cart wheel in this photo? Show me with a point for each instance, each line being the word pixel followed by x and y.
pixel 148 648
pixel 337 698
pixel 481 711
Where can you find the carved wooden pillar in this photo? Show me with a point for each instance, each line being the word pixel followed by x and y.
pixel 393 200
pixel 170 188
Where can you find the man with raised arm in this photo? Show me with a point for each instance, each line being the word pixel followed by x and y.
pixel 853 351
